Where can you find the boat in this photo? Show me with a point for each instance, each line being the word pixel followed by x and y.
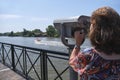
pixel 37 41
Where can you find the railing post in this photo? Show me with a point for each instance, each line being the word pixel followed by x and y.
pixel 73 74
pixel 25 63
pixel 13 57
pixel 3 57
pixel 44 71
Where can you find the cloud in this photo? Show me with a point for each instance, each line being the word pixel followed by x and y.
pixel 28 18
pixel 9 16
pixel 36 19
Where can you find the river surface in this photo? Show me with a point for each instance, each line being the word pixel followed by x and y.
pixel 47 43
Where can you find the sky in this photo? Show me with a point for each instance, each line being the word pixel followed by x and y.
pixel 16 15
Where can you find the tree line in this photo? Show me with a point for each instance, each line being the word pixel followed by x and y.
pixel 50 32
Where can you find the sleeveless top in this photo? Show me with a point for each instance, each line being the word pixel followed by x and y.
pixel 91 66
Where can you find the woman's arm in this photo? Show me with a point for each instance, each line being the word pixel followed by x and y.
pixel 79 37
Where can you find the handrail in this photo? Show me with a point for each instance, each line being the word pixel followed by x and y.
pixel 38 49
pixel 26 60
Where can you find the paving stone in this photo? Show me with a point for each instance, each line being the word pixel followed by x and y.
pixel 7 74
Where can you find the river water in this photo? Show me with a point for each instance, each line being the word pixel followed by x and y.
pixel 45 43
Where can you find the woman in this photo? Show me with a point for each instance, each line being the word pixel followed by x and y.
pixel 102 61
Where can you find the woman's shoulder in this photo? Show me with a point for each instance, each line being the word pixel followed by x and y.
pixel 91 50
pixel 87 51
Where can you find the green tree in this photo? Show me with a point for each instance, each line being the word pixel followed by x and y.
pixel 51 31
pixel 24 32
pixel 37 32
pixel 1 34
pixel 27 33
pixel 56 34
pixel 11 33
pixel 18 34
pixel 6 33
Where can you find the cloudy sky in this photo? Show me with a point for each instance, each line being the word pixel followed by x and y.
pixel 38 14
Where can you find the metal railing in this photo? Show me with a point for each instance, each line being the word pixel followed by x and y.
pixel 35 64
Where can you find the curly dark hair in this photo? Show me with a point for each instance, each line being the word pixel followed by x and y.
pixel 105 32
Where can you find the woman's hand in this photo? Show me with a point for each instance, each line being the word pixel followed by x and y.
pixel 79 37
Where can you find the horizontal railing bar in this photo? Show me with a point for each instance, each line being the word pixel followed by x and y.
pixel 37 49
pixel 28 50
pixel 32 51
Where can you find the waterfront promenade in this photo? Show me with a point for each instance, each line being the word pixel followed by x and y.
pixel 7 74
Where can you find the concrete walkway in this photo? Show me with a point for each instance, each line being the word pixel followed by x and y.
pixel 7 74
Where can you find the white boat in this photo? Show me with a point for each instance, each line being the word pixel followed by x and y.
pixel 37 41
